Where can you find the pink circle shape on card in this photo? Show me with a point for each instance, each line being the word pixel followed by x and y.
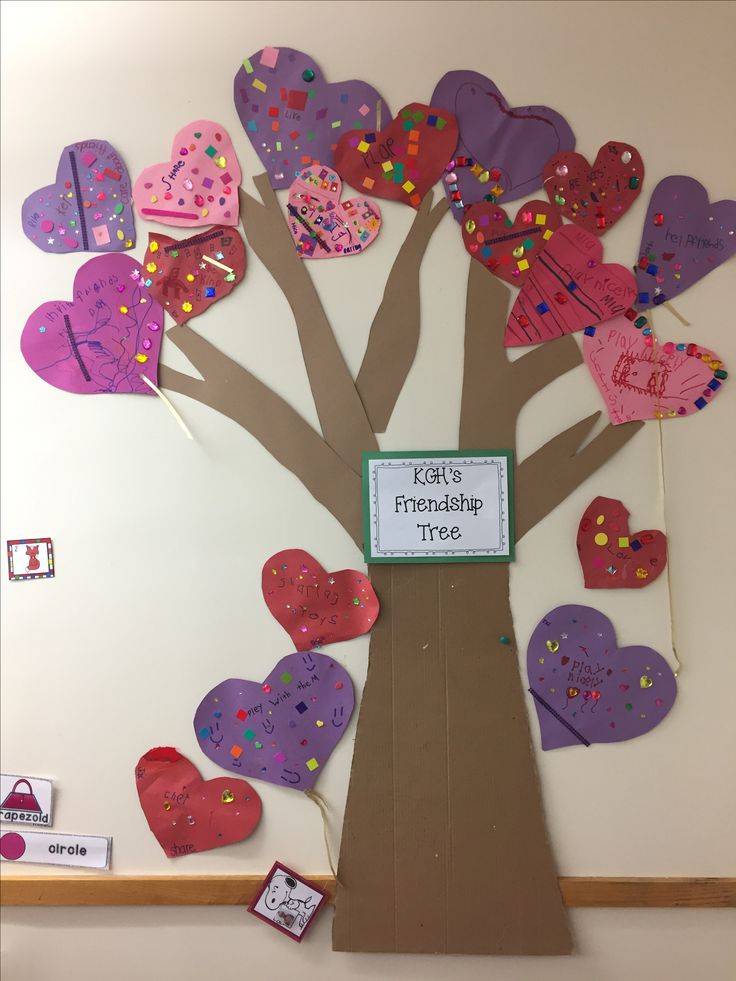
pixel 12 846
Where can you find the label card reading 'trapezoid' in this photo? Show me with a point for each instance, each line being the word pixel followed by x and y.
pixel 438 506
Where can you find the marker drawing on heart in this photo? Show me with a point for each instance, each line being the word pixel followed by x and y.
pixel 611 556
pixel 509 248
pixel 323 226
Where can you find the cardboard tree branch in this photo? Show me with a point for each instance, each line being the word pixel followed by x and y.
pixel 238 394
pixel 343 419
pixel 394 335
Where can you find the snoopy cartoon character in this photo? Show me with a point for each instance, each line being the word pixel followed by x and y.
pixel 287 910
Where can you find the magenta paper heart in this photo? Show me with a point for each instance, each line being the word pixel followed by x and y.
pixel 568 288
pixel 501 151
pixel 322 226
pixel 198 185
pixel 685 237
pixel 88 208
pixel 639 378
pixel 105 339
pixel 293 117
pixel 282 729
pixel 586 689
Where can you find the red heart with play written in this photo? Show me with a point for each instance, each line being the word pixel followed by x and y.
pixel 188 814
pixel 316 607
pixel 509 248
pixel 404 160
pixel 595 197
pixel 612 557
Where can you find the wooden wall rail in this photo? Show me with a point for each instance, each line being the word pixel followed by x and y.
pixel 234 890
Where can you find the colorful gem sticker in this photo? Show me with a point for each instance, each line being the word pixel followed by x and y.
pixel 404 160
pixel 611 556
pixel 323 226
pixel 293 116
pixel 509 248
pixel 88 208
pixel 198 185
pixel 283 729
pixel 588 690
pixel 30 558
pixel 188 814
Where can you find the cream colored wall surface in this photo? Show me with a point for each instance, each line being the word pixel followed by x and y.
pixel 159 542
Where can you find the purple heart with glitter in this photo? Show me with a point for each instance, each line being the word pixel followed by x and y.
pixel 685 237
pixel 510 146
pixel 293 116
pixel 603 694
pixel 87 208
pixel 103 340
pixel 283 729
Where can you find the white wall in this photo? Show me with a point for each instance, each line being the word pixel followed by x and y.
pixel 159 542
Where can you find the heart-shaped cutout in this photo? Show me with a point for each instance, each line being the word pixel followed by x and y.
pixel 685 237
pixel 501 151
pixel 198 185
pixel 88 208
pixel 105 339
pixel 641 378
pixel 568 289
pixel 612 557
pixel 188 814
pixel 189 275
pixel 316 607
pixel 323 226
pixel 587 701
pixel 404 160
pixel 283 729
pixel 509 248
pixel 595 197
pixel 292 116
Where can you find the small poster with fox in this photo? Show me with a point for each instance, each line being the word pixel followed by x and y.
pixel 31 558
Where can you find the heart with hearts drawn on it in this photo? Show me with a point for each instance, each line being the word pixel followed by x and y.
pixel 603 693
pixel 105 339
pixel 316 607
pixel 595 197
pixel 323 226
pixel 641 378
pixel 188 814
pixel 611 556
pixel 198 185
pixel 283 729
pixel 509 248
pixel 402 161
pixel 568 288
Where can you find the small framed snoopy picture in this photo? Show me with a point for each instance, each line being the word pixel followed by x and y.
pixel 288 902
pixel 30 558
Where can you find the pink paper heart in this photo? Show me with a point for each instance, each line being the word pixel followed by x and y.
pixel 639 378
pixel 322 226
pixel 198 185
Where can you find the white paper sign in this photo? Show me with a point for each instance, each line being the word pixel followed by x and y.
pixel 47 848
pixel 27 800
pixel 438 507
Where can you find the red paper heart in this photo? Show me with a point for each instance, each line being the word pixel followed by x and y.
pixel 323 226
pixel 595 197
pixel 612 557
pixel 188 814
pixel 509 248
pixel 568 289
pixel 189 275
pixel 316 607
pixel 402 161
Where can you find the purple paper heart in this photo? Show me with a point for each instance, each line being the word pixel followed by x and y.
pixel 685 237
pixel 283 729
pixel 88 207
pixel 586 689
pixel 292 116
pixel 105 339
pixel 516 142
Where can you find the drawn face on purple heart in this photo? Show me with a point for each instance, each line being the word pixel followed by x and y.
pixel 510 145
pixel 283 729
pixel 588 690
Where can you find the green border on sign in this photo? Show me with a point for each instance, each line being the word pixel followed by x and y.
pixel 436 454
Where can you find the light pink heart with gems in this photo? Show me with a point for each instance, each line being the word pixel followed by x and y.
pixel 323 226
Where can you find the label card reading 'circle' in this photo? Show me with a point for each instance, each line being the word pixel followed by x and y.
pixel 438 506
pixel 47 848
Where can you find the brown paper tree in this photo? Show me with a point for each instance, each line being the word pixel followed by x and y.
pixel 444 845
